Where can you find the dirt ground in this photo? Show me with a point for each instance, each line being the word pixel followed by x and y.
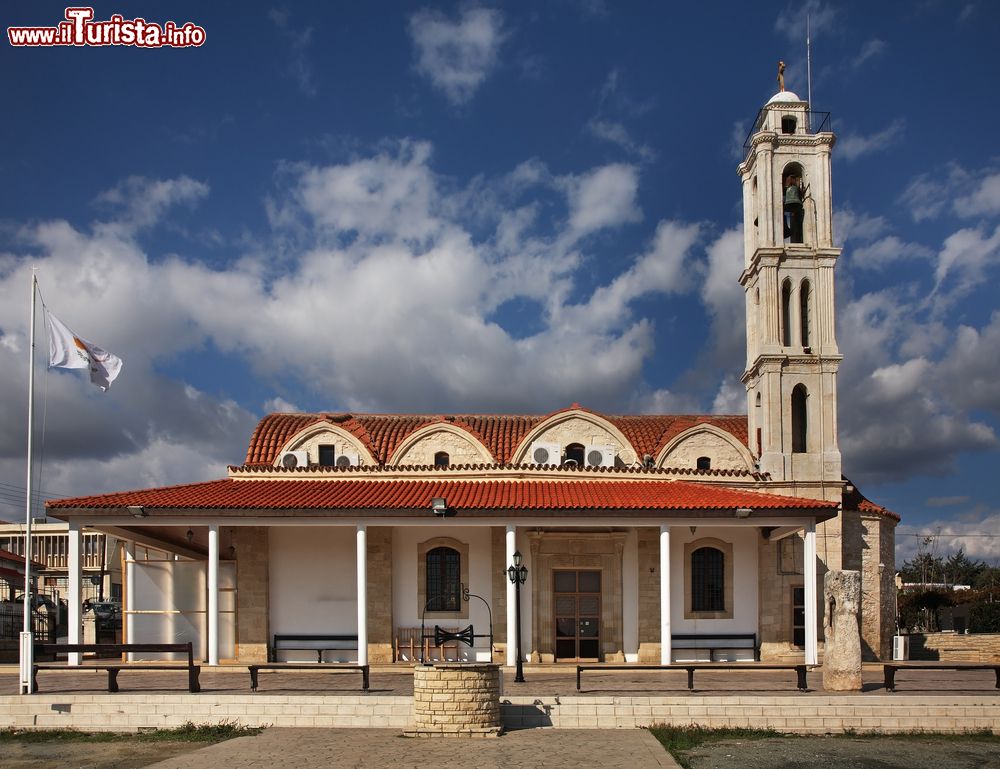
pixel 90 755
pixel 847 753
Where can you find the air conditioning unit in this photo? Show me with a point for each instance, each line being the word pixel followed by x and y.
pixel 545 453
pixel 900 647
pixel 599 456
pixel 292 459
pixel 347 460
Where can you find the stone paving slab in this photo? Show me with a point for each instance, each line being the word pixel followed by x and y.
pixel 379 748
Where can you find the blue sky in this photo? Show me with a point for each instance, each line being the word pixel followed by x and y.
pixel 504 207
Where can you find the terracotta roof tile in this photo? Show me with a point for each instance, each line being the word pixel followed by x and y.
pixel 500 433
pixel 855 500
pixel 508 495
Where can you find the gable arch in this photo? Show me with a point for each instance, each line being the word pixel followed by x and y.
pixel 699 441
pixel 462 446
pixel 576 426
pixel 310 438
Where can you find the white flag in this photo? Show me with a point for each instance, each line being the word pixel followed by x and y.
pixel 67 350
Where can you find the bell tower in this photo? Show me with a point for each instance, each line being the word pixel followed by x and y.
pixel 789 258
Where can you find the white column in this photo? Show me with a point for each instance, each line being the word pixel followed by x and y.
pixel 511 546
pixel 128 547
pixel 809 554
pixel 362 594
pixel 666 652
pixel 75 597
pixel 213 594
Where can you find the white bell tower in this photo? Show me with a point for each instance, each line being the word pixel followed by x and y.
pixel 792 354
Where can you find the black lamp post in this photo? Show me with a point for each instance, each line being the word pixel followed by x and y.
pixel 518 573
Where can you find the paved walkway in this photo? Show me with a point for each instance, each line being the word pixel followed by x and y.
pixel 379 748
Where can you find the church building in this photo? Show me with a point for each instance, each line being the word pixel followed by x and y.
pixel 646 538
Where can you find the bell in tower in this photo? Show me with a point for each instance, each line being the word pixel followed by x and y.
pixel 789 258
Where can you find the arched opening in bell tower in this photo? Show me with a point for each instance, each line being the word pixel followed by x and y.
pixel 793 197
pixel 786 313
pixel 800 416
pixel 804 312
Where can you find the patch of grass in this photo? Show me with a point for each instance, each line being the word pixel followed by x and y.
pixel 680 739
pixel 207 733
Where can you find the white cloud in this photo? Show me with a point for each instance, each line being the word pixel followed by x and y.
pixel 964 257
pixel 457 56
pixel 617 134
pixel 869 50
pixel 885 251
pixel 975 533
pixel 983 200
pixel 139 202
pixel 298 40
pixel 851 146
pixel 848 225
pixel 791 22
pixel 278 404
pixel 605 197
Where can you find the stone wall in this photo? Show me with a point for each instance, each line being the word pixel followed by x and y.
pixel 379 539
pixel 869 547
pixel 649 595
pixel 955 647
pixel 252 628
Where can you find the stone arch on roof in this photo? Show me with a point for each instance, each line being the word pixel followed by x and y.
pixel 705 440
pixel 461 444
pixel 325 433
pixel 576 426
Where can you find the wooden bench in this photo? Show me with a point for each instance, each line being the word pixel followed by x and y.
pixel 116 667
pixel 318 667
pixel 317 642
pixel 889 670
pixel 715 641
pixel 800 670
pixel 410 642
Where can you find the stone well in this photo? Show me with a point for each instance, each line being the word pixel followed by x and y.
pixel 456 699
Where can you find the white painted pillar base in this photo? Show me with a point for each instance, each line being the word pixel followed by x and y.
pixel 74 599
pixel 809 553
pixel 213 594
pixel 666 649
pixel 362 560
pixel 511 546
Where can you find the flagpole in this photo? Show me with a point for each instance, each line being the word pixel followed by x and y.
pixel 27 649
pixel 809 65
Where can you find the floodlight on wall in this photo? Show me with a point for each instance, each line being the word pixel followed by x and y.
pixel 440 506
pixel 743 512
pixel 136 511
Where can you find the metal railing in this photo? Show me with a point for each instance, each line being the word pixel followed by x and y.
pixel 815 122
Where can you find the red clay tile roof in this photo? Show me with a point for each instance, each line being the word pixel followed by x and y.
pixel 490 496
pixel 500 433
pixel 855 500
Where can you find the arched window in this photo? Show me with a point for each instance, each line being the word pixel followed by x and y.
pixel 444 579
pixel 704 463
pixel 800 426
pixel 786 313
pixel 574 453
pixel 804 311
pixel 708 580
pixel 441 459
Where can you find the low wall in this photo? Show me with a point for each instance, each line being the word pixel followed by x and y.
pixel 795 713
pixel 955 647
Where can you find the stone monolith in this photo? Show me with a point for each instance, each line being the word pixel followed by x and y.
pixel 842 650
